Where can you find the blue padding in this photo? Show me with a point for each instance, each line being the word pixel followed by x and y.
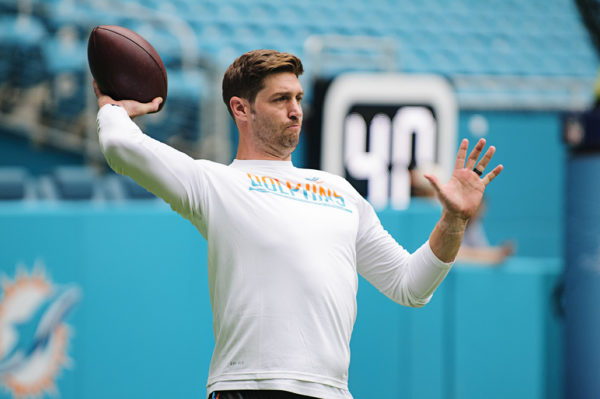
pixel 145 324
pixel 582 277
pixel 506 332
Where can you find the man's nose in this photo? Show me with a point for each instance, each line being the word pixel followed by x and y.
pixel 295 110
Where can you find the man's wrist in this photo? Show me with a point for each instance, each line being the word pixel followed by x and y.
pixel 446 237
pixel 453 223
pixel 103 102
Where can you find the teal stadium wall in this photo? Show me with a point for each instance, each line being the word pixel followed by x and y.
pixel 143 326
pixel 526 203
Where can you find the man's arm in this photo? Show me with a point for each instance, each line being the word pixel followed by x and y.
pixel 411 279
pixel 460 198
pixel 159 168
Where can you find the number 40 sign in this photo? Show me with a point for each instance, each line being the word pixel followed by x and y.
pixel 377 126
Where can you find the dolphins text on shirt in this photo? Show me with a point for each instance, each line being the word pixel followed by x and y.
pixel 305 192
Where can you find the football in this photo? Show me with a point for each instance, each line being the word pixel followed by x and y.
pixel 125 66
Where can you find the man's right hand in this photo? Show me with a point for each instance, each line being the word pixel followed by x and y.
pixel 132 107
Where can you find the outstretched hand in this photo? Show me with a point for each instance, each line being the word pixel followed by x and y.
pixel 462 194
pixel 132 107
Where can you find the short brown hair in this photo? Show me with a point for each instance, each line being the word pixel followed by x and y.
pixel 245 76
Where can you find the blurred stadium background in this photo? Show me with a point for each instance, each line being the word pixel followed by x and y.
pixel 518 71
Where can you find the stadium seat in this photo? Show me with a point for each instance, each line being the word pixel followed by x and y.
pixel 65 56
pixel 466 38
pixel 74 182
pixel 13 182
pixel 20 50
pixel 181 114
pixel 162 38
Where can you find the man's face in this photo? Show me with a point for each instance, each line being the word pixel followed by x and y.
pixel 276 114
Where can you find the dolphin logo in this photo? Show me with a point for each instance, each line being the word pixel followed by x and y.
pixel 33 333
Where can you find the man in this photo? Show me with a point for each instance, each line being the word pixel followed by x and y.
pixel 285 244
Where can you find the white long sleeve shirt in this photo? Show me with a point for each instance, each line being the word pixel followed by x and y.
pixel 284 248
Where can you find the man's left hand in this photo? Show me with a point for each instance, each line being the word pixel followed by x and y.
pixel 462 194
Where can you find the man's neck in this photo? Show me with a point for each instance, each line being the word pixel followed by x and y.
pixel 265 155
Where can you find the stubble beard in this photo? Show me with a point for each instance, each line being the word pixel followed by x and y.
pixel 275 136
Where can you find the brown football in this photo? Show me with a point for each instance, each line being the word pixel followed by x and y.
pixel 125 66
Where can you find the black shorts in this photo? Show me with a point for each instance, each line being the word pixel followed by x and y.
pixel 253 394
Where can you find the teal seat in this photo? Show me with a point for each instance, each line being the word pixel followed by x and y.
pixel 12 183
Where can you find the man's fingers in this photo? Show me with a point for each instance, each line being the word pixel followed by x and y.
pixel 157 101
pixel 434 182
pixel 492 175
pixel 481 165
pixel 153 105
pixel 472 160
pixel 135 109
pixel 462 154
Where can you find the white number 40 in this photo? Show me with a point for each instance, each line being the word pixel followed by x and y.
pixel 385 164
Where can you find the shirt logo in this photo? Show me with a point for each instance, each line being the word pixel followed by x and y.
pixel 314 179
pixel 313 192
pixel 33 336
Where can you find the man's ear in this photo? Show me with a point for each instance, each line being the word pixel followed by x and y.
pixel 240 108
